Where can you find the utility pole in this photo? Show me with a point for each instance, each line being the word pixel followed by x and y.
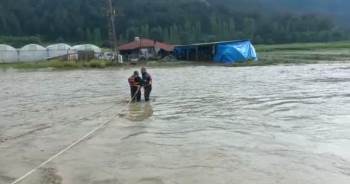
pixel 111 14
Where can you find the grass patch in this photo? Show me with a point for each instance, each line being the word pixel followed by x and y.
pixel 56 64
pixel 303 53
pixel 303 46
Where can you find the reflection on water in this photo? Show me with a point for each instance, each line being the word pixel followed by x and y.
pixel 249 125
pixel 140 111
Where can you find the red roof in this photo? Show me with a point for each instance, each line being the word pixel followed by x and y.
pixel 146 43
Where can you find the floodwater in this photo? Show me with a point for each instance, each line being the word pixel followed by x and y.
pixel 222 125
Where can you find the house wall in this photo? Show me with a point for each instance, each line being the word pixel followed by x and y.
pixel 143 53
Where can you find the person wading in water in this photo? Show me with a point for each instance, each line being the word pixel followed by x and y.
pixel 135 86
pixel 147 83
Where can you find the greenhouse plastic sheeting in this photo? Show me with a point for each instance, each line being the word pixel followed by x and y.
pixel 87 47
pixel 8 54
pixel 57 50
pixel 32 52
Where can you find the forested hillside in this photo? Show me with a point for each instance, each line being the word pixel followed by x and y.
pixel 180 21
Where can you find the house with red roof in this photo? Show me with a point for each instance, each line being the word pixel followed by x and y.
pixel 145 49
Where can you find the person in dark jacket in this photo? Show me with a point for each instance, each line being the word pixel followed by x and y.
pixel 146 83
pixel 135 86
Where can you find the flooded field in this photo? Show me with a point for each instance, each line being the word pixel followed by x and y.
pixel 222 125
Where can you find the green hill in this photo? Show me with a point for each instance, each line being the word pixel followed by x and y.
pixel 180 21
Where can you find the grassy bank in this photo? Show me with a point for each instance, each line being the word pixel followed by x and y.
pixel 297 53
pixel 304 53
pixel 56 64
pixel 94 64
pixel 303 46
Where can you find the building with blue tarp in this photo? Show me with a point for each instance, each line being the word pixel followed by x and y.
pixel 227 52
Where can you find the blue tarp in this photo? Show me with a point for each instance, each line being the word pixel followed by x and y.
pixel 180 53
pixel 227 52
pixel 233 52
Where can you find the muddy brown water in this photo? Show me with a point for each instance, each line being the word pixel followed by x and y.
pixel 249 125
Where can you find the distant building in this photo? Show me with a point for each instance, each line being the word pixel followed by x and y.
pixel 145 49
pixel 227 52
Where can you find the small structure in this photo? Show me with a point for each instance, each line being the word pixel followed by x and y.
pixel 32 52
pixel 144 49
pixel 227 52
pixel 58 50
pixel 8 54
pixel 87 51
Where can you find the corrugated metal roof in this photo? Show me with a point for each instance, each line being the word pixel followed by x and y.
pixel 211 43
pixel 146 43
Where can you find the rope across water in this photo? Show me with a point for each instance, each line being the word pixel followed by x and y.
pixel 73 144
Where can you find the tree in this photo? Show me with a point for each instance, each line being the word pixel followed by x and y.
pixel 88 35
pixel 249 27
pixel 157 33
pixel 179 21
pixel 174 34
pixel 97 36
pixel 232 28
pixel 166 35
pixel 145 31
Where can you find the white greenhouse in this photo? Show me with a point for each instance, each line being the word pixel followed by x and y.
pixel 32 52
pixel 57 50
pixel 8 54
pixel 87 47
